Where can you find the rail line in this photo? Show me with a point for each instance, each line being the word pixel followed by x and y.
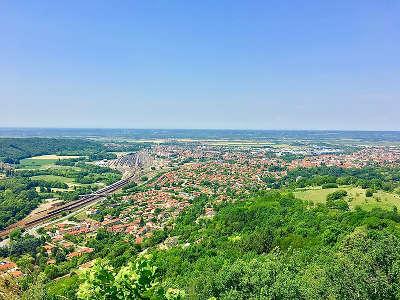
pixel 68 207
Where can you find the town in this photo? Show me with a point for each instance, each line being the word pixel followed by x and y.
pixel 177 174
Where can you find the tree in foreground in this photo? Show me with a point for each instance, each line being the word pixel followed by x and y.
pixel 134 281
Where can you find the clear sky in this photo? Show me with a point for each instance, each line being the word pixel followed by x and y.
pixel 201 64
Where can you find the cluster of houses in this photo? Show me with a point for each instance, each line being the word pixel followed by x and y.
pixel 203 175
pixel 367 155
pixel 149 211
pixel 207 169
pixel 192 171
pixel 9 268
pixel 58 234
pixel 234 170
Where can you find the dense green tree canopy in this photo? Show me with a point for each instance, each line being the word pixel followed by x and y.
pixel 14 149
pixel 272 246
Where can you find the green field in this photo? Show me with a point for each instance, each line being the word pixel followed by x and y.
pixel 356 197
pixel 34 163
pixel 40 162
pixel 67 180
pixel 46 162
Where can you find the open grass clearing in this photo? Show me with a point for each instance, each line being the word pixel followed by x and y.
pixel 54 156
pixel 43 161
pixel 67 180
pixel 33 163
pixel 356 197
pixel 53 166
pixel 81 216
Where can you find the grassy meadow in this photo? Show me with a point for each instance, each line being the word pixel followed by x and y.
pixel 34 163
pixel 69 181
pixel 45 162
pixel 356 197
pixel 42 161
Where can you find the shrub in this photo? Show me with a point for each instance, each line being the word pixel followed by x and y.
pixel 329 185
pixel 336 195
pixel 369 193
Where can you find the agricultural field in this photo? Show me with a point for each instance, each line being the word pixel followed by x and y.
pixel 355 197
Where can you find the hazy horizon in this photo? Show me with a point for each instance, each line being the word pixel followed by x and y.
pixel 281 65
pixel 167 129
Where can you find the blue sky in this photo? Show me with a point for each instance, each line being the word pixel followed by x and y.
pixel 200 64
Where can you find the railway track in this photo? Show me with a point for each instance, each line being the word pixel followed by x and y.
pixel 68 207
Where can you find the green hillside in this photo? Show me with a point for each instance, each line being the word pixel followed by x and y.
pixel 273 246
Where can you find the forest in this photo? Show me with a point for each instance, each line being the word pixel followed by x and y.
pixel 374 177
pixel 12 150
pixel 17 198
pixel 272 246
pixel 268 245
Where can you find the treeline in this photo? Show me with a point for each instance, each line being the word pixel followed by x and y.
pixel 92 157
pixel 127 146
pixel 12 150
pixel 377 178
